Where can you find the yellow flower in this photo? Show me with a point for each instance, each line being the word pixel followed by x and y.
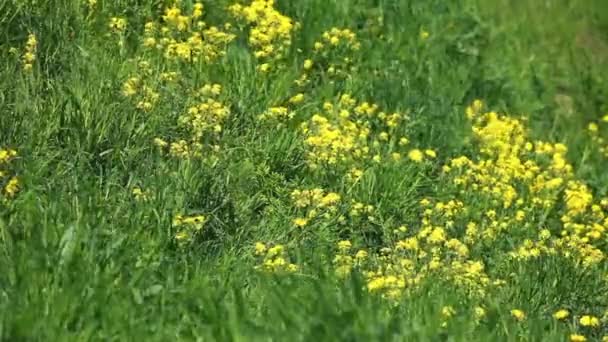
pixel 424 34
pixel 12 187
pixel 361 254
pixel 415 155
pixel 577 338
pixel 518 314
pixel 447 311
pixel 480 313
pixel 593 127
pixel 344 245
pixel 430 153
pixel 118 24
pixel 6 155
pixel 298 98
pixel 197 11
pixel 307 64
pixel 265 67
pixel 300 222
pixel 589 321
pixel 260 248
pixel 139 194
pixel 561 314
pixel 275 251
pixel 182 236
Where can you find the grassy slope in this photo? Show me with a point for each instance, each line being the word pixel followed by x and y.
pixel 80 260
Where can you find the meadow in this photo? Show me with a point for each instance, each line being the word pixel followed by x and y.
pixel 313 170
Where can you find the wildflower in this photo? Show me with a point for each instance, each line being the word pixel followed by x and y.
pixel 270 34
pixel 6 155
pixel 118 24
pixel 361 254
pixel 139 194
pixel 29 55
pixel 300 222
pixel 307 64
pixel 265 67
pixel 447 311
pixel 275 250
pixel 577 338
pixel 518 314
pixel 297 98
pixel 12 187
pixel 593 127
pixel 424 34
pixel 197 10
pixel 160 142
pixel 589 321
pixel 561 314
pixel 430 153
pixel 415 155
pixel 344 245
pixel 260 248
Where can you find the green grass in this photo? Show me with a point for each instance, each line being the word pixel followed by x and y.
pixel 81 259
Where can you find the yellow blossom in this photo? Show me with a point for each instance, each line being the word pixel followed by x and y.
pixel 577 338
pixel 561 314
pixel 589 321
pixel 300 222
pixel 518 314
pixel 415 155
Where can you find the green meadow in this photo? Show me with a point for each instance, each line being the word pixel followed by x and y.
pixel 313 170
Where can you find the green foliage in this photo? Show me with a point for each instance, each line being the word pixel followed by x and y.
pixel 81 258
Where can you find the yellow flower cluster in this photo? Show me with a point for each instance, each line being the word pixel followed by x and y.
pixel 278 115
pixel 333 51
pixel 351 134
pixel 187 227
pixel 29 54
pixel 207 115
pixel 186 37
pixel 274 259
pixel 333 56
pixel 517 176
pixel 518 314
pixel 508 188
pixel 595 131
pixel 343 262
pixel 139 194
pixel 202 124
pixel 585 321
pixel 117 24
pixel 314 203
pixel 270 32
pixel 433 250
pixel 9 183
pixel 142 88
